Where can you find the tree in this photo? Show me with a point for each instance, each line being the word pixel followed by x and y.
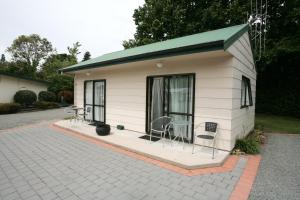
pixel 31 50
pixel 61 82
pixel 86 56
pixel 2 60
pixel 159 20
pixel 74 51
pixel 55 62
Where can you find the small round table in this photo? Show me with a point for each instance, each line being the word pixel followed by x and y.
pixel 76 110
pixel 180 123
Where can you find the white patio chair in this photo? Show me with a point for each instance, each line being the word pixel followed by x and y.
pixel 70 111
pixel 210 133
pixel 160 126
pixel 87 112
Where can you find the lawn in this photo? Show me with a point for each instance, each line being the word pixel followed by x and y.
pixel 279 124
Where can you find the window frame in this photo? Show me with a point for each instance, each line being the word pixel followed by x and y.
pixel 247 83
pixel 93 105
pixel 166 110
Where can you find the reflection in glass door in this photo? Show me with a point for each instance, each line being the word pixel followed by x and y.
pixel 172 95
pixel 95 99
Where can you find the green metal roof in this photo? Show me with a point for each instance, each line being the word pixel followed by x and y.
pixel 206 41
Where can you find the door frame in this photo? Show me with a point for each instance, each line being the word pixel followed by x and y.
pixel 149 99
pixel 93 104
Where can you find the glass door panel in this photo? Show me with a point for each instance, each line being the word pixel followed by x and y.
pixel 95 99
pixel 89 98
pixel 99 93
pixel 172 96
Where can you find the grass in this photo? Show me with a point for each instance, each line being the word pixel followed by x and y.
pixel 278 124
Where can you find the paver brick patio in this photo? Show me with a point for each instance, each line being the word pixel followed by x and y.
pixel 38 162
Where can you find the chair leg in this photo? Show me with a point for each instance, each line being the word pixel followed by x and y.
pixel 162 138
pixel 170 138
pixel 213 154
pixel 193 147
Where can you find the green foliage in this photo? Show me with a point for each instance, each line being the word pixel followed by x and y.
pixel 45 105
pixel 159 20
pixel 249 145
pixel 30 50
pixel 47 96
pixel 87 56
pixel 7 108
pixel 54 63
pixel 61 82
pixel 66 96
pixel 25 97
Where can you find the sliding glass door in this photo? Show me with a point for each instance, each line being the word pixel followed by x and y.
pixel 172 95
pixel 94 97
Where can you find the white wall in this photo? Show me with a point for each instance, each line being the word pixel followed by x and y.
pixel 126 91
pixel 243 64
pixel 10 85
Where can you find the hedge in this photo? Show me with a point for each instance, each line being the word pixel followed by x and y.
pixel 25 97
pixel 7 108
pixel 47 96
pixel 45 105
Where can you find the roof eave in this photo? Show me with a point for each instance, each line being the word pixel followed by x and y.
pixel 203 47
pixel 234 37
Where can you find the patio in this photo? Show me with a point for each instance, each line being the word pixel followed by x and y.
pixel 175 153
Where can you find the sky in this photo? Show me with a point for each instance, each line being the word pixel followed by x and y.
pixel 100 26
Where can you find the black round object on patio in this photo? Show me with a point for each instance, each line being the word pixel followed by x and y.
pixel 102 129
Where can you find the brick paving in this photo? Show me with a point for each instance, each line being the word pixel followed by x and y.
pixel 38 162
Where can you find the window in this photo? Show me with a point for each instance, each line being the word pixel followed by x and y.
pixel 246 94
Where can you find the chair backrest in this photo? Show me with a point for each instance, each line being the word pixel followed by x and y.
pixel 69 110
pixel 161 122
pixel 88 109
pixel 211 127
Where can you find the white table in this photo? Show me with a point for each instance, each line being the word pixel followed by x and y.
pixel 180 123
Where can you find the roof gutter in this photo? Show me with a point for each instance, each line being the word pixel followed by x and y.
pixel 203 47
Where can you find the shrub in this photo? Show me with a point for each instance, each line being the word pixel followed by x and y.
pixel 248 145
pixel 45 105
pixel 47 96
pixel 65 96
pixel 25 97
pixel 7 108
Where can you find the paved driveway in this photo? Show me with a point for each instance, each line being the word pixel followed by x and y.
pixel 18 119
pixel 41 163
pixel 279 172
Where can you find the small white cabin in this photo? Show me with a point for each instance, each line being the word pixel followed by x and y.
pixel 205 77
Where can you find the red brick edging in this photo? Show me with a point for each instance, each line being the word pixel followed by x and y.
pixel 241 190
pixel 243 187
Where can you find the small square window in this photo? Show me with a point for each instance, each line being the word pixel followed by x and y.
pixel 246 94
